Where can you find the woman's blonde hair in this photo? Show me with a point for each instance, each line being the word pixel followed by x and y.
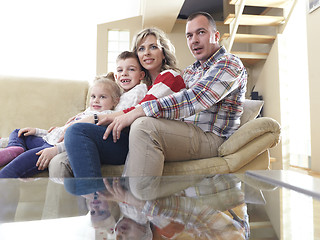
pixel 169 61
pixel 109 81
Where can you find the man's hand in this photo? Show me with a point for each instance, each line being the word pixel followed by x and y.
pixel 45 157
pixel 26 131
pixel 122 121
pixel 105 119
pixel 118 194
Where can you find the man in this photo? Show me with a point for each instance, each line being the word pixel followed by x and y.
pixel 210 107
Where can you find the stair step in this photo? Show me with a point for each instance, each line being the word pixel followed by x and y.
pixel 263 3
pixel 257 225
pixel 251 38
pixel 251 58
pixel 262 230
pixel 251 55
pixel 256 20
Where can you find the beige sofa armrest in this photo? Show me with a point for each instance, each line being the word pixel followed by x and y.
pixel 249 132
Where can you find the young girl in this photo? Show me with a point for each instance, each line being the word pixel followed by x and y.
pixel 31 148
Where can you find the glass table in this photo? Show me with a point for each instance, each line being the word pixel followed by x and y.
pixel 254 205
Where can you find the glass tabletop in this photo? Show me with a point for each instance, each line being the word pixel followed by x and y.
pixel 255 205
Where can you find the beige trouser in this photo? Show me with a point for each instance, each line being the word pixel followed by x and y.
pixel 59 166
pixel 154 141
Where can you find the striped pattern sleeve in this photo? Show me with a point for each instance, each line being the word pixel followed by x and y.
pixel 41 132
pixel 167 82
pixel 216 84
pixel 61 147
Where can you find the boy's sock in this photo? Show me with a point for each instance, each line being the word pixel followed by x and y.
pixel 9 153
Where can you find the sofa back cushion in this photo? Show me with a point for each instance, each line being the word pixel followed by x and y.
pixel 251 110
pixel 39 102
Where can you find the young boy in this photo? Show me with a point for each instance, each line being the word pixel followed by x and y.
pixel 129 77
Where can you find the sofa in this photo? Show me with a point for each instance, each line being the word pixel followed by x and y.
pixel 44 102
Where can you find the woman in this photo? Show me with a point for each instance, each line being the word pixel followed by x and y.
pixel 87 144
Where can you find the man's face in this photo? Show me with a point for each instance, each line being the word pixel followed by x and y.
pixel 202 40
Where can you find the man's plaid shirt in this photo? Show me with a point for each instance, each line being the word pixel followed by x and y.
pixel 205 209
pixel 214 96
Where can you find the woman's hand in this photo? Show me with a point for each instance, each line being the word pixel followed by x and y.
pixel 26 131
pixel 122 121
pixel 45 157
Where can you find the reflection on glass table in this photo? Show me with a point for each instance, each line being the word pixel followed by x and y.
pixel 230 206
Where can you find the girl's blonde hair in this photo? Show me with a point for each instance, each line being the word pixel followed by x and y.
pixel 109 81
pixel 169 61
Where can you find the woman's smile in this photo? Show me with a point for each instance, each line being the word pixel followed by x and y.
pixel 151 55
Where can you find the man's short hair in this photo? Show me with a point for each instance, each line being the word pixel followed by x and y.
pixel 205 14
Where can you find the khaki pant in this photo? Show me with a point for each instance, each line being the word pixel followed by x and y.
pixel 154 141
pixel 59 166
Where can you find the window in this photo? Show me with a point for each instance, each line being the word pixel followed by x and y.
pixel 118 41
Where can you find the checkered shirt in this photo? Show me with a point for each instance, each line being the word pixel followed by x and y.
pixel 214 96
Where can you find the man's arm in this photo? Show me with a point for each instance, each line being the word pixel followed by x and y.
pixel 226 75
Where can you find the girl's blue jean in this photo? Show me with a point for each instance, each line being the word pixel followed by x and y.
pixel 25 164
pixel 87 150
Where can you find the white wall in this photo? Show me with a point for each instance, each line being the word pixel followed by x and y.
pixel 268 85
pixel 55 39
pixel 313 35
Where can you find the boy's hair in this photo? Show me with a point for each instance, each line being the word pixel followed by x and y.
pixel 109 81
pixel 127 54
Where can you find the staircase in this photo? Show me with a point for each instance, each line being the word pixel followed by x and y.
pixel 240 18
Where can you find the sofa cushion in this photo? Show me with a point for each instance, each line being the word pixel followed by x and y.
pixel 39 102
pixel 248 134
pixel 251 110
